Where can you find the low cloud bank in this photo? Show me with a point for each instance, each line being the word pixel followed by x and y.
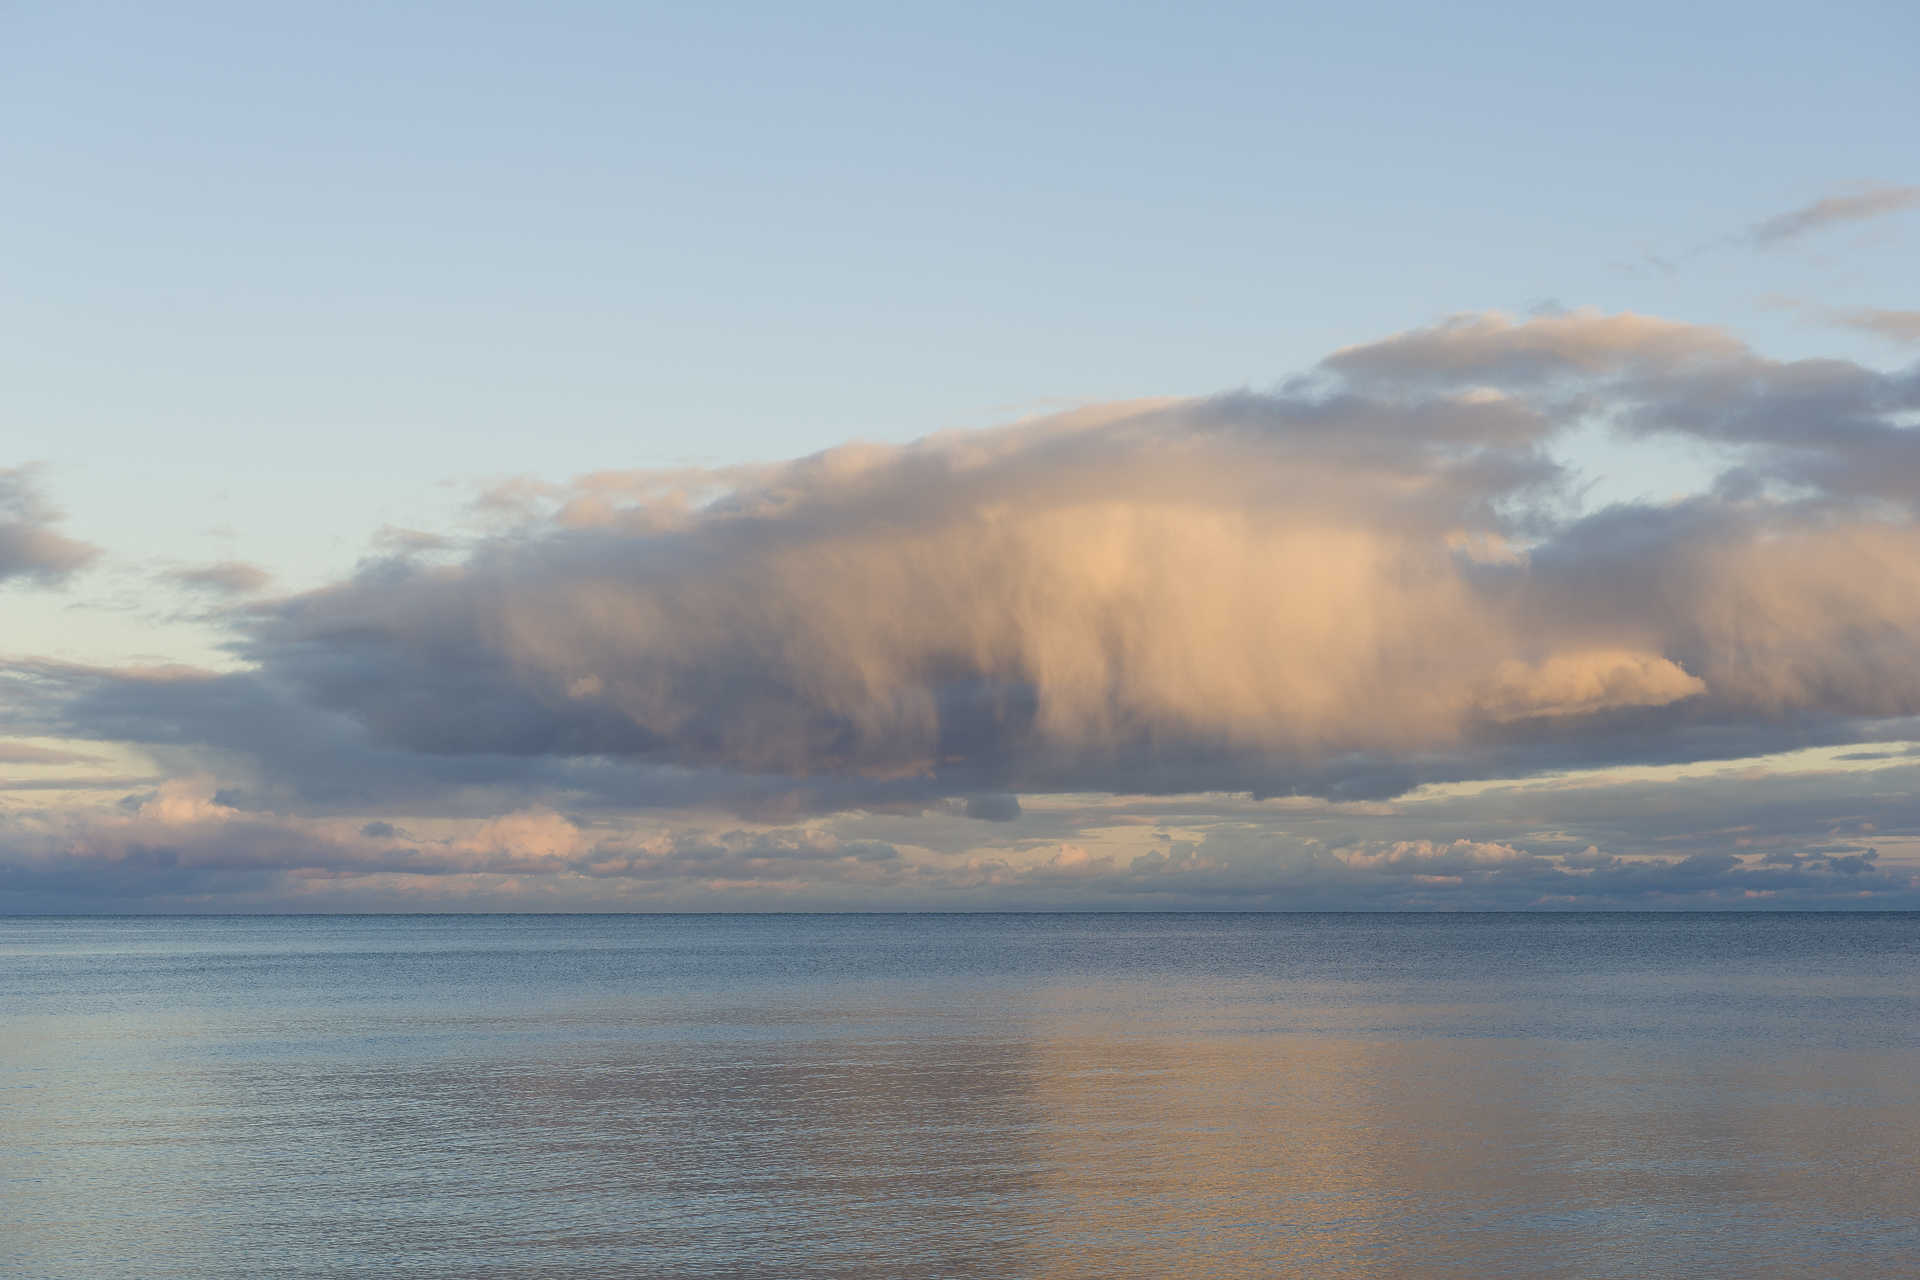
pixel 1703 844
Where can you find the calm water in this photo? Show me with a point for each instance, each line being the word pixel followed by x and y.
pixel 926 1096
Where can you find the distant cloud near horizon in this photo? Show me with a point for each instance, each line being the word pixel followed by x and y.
pixel 1875 201
pixel 1372 578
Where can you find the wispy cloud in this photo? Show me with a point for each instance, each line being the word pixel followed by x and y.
pixel 1894 326
pixel 224 577
pixel 26 753
pixel 1872 202
pixel 29 547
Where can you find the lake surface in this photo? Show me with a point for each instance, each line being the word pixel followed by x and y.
pixel 961 1095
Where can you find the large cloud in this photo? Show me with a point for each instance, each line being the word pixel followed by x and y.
pixel 1346 587
pixel 1354 582
pixel 1371 578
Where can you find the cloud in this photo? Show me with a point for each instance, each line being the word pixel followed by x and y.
pixel 23 753
pixel 1493 349
pixel 1806 838
pixel 1894 326
pixel 834 680
pixel 29 548
pixel 181 847
pixel 1871 202
pixel 1361 582
pixel 993 808
pixel 1572 684
pixel 226 577
pixel 1286 592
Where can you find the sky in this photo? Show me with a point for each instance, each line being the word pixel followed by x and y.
pixel 735 457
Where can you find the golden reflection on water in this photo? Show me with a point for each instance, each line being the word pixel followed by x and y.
pixel 1260 1154
pixel 1069 1145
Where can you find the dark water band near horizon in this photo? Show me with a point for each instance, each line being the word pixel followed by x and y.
pixel 1377 1095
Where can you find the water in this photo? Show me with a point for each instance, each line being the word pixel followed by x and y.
pixel 928 1096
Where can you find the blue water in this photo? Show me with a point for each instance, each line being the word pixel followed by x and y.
pixel 927 1096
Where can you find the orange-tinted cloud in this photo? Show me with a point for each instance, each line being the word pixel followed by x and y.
pixel 1874 201
pixel 1366 568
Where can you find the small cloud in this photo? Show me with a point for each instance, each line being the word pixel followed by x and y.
pixel 1582 683
pixel 229 577
pixel 1073 857
pixel 994 808
pixel 1647 265
pixel 28 546
pixel 1894 326
pixel 1874 202
pixel 393 541
pixel 21 753
pixel 377 830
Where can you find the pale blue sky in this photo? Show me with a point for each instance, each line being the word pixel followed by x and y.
pixel 274 275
